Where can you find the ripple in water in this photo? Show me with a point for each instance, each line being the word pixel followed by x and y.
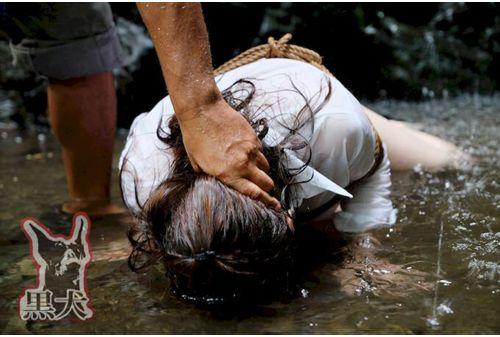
pixel 451 287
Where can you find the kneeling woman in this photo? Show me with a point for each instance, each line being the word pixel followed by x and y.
pixel 330 168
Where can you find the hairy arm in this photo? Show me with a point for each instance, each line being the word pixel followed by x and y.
pixel 218 140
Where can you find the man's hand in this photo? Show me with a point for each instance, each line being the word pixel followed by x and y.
pixel 220 142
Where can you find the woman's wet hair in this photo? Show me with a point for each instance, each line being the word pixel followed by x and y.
pixel 216 243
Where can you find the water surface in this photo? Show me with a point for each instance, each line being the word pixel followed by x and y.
pixel 447 286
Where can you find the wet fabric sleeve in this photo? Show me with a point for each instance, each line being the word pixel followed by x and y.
pixel 343 148
pixel 145 161
pixel 341 142
pixel 371 206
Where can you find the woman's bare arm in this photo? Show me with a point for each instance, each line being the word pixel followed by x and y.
pixel 408 147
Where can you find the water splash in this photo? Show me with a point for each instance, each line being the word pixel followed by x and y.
pixel 433 320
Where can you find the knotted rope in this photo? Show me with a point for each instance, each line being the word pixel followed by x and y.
pixel 281 49
pixel 274 49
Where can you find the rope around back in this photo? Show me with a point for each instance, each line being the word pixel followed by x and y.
pixel 274 49
pixel 281 49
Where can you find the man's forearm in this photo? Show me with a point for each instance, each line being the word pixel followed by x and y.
pixel 180 37
pixel 219 141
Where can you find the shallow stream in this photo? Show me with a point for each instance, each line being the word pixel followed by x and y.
pixel 447 233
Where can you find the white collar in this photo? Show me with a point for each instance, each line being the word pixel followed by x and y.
pixel 314 182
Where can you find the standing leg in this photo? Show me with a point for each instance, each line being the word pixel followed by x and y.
pixel 82 113
pixel 76 46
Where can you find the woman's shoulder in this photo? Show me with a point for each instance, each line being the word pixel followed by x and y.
pixel 274 69
pixel 142 140
pixel 148 122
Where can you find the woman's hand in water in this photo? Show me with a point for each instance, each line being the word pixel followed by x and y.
pixel 220 142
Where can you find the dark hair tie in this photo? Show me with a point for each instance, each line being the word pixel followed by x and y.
pixel 204 256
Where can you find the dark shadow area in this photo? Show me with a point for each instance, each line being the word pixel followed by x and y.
pixel 378 50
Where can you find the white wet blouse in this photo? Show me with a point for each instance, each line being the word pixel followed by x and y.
pixel 341 142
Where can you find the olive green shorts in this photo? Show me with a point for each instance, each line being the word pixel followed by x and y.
pixel 63 40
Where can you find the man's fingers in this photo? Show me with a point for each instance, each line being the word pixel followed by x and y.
pixel 253 191
pixel 261 162
pixel 260 178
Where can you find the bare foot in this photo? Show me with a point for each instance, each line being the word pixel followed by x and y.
pixel 93 207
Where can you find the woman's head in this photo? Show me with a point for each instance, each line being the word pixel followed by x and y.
pixel 215 242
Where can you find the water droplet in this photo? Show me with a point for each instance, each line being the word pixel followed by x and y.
pixel 433 322
pixel 370 30
pixel 444 309
pixel 393 27
pixel 444 282
pixel 41 138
